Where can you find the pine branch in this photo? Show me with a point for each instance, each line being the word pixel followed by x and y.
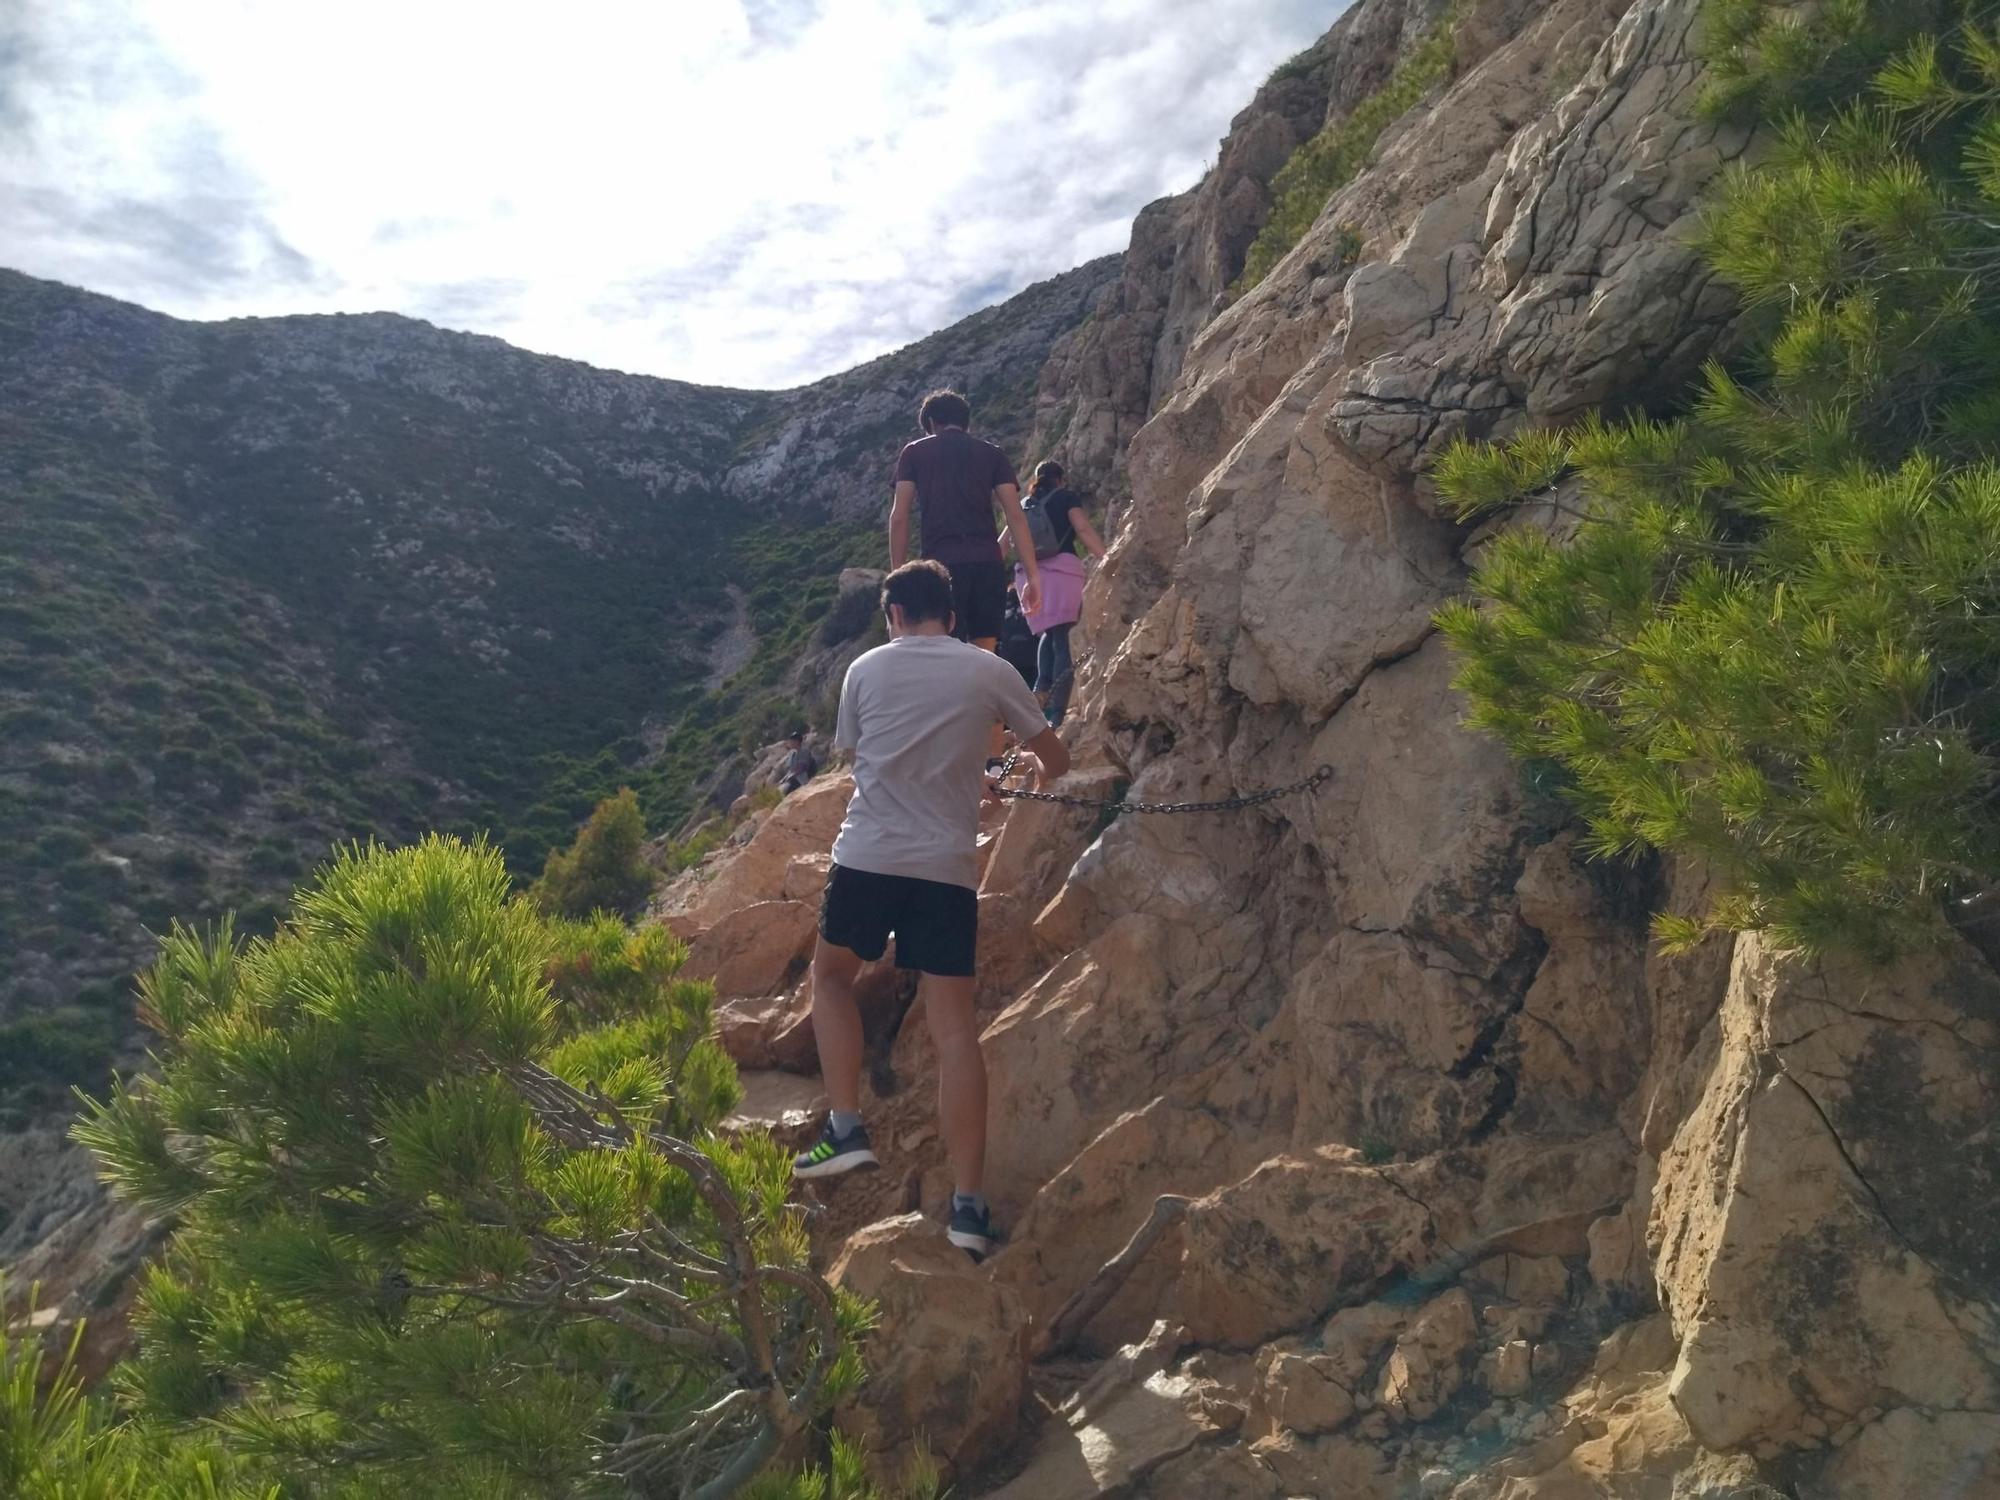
pixel 584 1121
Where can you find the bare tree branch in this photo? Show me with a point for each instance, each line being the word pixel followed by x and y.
pixel 1090 1299
pixel 659 1303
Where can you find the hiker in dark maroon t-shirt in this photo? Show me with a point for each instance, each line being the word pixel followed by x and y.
pixel 954 480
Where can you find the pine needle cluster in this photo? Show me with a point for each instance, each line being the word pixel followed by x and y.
pixel 58 1442
pixel 1767 634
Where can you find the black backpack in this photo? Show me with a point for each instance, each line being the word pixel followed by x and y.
pixel 1042 527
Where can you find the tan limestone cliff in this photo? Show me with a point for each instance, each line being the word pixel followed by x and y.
pixel 1483 1197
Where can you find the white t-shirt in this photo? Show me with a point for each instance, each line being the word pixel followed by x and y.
pixel 918 714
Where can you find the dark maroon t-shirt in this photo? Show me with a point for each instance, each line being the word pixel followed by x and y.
pixel 955 474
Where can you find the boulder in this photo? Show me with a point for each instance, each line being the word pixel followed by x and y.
pixel 806 876
pixel 948 1357
pixel 1300 1392
pixel 1954 1455
pixel 1825 1248
pixel 777 1102
pixel 1122 1440
pixel 1428 1364
pixel 1310 1231
pixel 744 1025
pixel 1297 1234
pixel 1539 1279
pixel 1088 1211
pixel 1509 1370
pixel 754 950
pixel 804 824
pixel 1355 1338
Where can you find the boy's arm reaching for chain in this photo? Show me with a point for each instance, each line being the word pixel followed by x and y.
pixel 1051 757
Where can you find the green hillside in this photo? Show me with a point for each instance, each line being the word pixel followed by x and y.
pixel 272 584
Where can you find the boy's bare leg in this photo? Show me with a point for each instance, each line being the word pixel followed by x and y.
pixel 837 1024
pixel 954 1028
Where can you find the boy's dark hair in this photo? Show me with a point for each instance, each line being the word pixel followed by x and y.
pixel 944 409
pixel 922 589
pixel 796 734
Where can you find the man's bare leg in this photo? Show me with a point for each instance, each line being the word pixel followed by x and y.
pixel 843 1145
pixel 837 1025
pixel 954 1027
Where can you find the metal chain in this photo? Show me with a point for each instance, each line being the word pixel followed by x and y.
pixel 1123 805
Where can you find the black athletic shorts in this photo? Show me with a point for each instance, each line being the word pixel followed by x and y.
pixel 936 925
pixel 979 598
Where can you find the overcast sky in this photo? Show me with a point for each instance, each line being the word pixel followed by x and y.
pixel 745 192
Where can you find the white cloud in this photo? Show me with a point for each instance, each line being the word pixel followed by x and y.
pixel 749 192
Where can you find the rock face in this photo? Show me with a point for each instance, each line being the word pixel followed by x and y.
pixel 1473 1193
pixel 1106 378
pixel 1838 1175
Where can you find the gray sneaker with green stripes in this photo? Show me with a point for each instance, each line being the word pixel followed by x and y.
pixel 832 1154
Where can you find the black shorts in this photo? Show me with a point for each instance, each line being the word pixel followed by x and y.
pixel 979 599
pixel 936 925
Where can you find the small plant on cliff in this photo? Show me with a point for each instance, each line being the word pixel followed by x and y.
pixel 605 869
pixel 1768 634
pixel 453 1219
pixel 1326 163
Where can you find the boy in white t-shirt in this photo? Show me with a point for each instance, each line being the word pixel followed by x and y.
pixel 917 714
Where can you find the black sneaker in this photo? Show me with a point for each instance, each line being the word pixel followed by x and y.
pixel 972 1231
pixel 832 1154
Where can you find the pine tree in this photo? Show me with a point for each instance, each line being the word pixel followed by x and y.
pixel 605 869
pixel 1767 634
pixel 453 1218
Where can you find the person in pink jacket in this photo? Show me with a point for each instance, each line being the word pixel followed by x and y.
pixel 1056 522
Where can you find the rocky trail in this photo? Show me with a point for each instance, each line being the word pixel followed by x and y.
pixel 1484 1196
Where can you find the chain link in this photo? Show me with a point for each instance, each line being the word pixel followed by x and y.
pixel 1125 805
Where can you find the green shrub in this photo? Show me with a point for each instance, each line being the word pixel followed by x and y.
pixel 1296 66
pixel 69 1047
pixel 768 723
pixel 1326 163
pixel 605 869
pixel 1771 640
pixel 61 846
pixel 452 1217
pixel 91 874
pixel 691 851
pixel 125 815
pixel 185 864
pixel 272 857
